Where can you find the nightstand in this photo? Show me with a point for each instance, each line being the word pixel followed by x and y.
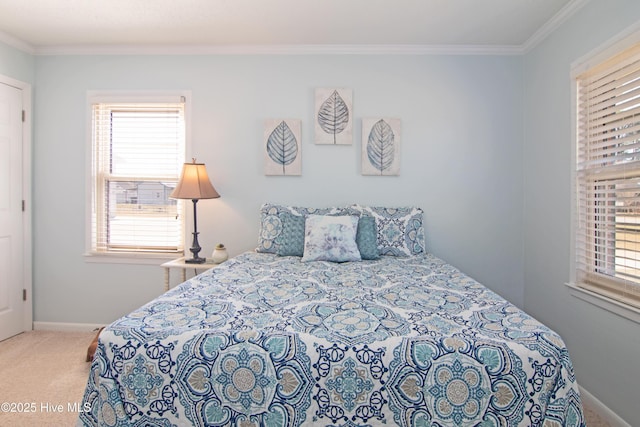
pixel 184 266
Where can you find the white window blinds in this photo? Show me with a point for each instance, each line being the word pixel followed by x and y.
pixel 608 178
pixel 138 151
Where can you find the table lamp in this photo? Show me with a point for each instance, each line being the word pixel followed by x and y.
pixel 194 184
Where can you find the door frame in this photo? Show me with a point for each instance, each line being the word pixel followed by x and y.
pixel 27 275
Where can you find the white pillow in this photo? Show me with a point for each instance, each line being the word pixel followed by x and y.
pixel 331 238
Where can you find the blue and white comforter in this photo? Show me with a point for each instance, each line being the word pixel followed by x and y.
pixel 271 341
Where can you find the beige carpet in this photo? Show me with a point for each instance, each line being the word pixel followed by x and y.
pixel 45 372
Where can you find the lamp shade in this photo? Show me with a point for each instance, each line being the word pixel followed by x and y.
pixel 194 183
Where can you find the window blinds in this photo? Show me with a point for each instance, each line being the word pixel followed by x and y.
pixel 138 154
pixel 608 178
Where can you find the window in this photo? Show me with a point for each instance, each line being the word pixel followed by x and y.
pixel 138 152
pixel 608 177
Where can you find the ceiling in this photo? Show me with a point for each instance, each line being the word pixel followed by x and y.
pixel 44 26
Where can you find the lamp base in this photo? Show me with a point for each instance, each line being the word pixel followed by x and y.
pixel 195 246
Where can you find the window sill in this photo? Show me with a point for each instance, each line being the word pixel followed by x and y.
pixel 602 301
pixel 131 258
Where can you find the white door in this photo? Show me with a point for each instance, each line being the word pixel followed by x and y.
pixel 12 305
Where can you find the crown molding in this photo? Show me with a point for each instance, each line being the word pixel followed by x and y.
pixel 17 43
pixel 281 50
pixel 553 24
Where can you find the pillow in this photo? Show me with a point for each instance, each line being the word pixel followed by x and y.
pixel 400 230
pixel 367 238
pixel 271 222
pixel 331 238
pixel 290 242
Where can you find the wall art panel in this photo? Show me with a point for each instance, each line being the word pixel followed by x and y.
pixel 381 146
pixel 282 147
pixel 334 116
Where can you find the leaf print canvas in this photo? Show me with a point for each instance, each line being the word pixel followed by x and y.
pixel 380 146
pixel 334 116
pixel 282 149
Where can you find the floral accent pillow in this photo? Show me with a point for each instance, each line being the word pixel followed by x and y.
pixel 331 238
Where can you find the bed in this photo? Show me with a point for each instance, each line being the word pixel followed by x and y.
pixel 280 336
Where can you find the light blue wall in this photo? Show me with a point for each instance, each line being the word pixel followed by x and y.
pixel 461 159
pixel 603 346
pixel 16 64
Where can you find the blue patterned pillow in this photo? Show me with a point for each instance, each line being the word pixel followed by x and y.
pixel 367 238
pixel 400 230
pixel 331 238
pixel 290 242
pixel 271 222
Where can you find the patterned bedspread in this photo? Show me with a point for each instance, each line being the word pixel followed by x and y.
pixel 264 340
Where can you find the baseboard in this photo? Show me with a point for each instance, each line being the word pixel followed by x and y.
pixel 65 327
pixel 605 413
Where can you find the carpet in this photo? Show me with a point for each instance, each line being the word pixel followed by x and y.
pixel 44 374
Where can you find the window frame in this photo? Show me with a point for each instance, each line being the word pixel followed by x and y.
pixel 595 292
pixel 123 256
